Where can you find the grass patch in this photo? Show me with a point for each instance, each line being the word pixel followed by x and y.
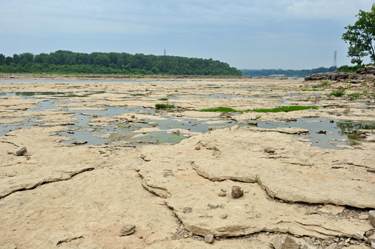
pixel 337 93
pixel 354 95
pixel 278 109
pixel 325 83
pixel 285 109
pixel 219 109
pixel 163 99
pixel 164 106
pixel 313 90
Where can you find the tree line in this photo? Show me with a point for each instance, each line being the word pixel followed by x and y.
pixel 67 62
pixel 286 73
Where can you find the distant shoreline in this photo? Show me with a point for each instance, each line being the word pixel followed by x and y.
pixel 114 77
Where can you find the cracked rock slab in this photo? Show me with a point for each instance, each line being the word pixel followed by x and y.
pixel 296 172
pixel 197 205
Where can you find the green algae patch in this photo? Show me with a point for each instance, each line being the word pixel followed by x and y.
pixel 285 109
pixel 220 109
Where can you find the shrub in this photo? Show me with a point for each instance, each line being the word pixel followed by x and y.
pixel 337 93
pixel 354 95
pixel 164 106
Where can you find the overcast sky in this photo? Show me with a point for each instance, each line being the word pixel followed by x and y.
pixel 253 34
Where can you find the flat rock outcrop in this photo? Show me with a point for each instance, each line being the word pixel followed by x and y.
pixel 361 74
pixel 297 172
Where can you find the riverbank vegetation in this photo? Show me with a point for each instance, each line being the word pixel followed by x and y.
pixel 286 73
pixel 67 62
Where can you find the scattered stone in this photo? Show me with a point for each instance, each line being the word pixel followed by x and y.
pixel 187 210
pixel 346 111
pixel 132 116
pixel 210 128
pixel 222 194
pixel 176 132
pixel 223 216
pixel 308 246
pixel 237 191
pixel 269 150
pixel 224 189
pixel 284 242
pixel 331 121
pixel 332 246
pixel 209 238
pixel 70 132
pixel 322 132
pixel 79 142
pixel 369 233
pixel 252 122
pixel 127 230
pixel 371 239
pixel 179 115
pixel 291 120
pixel 21 151
pixel 363 217
pixel 187 135
pixel 328 208
pixel 197 147
pixel 371 217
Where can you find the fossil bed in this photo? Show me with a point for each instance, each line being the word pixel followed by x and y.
pixel 64 195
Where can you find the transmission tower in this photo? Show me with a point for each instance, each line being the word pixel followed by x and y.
pixel 165 52
pixel 334 59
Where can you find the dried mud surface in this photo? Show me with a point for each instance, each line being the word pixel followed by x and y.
pixel 64 195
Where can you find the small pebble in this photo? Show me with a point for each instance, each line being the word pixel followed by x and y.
pixel 21 151
pixel 209 238
pixel 237 191
pixel 222 194
pixel 269 150
pixel 224 216
pixel 198 147
pixel 363 217
pixel 127 230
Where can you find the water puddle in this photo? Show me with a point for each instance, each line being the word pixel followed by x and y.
pixel 170 128
pixel 326 133
pixel 54 94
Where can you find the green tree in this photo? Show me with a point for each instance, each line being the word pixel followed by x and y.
pixel 2 59
pixel 361 35
pixel 103 60
pixel 357 53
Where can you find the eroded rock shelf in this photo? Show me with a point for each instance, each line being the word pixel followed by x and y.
pixel 169 174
